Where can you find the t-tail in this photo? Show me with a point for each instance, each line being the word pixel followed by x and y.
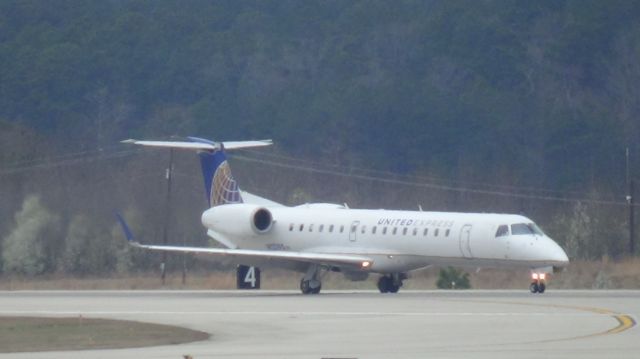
pixel 220 186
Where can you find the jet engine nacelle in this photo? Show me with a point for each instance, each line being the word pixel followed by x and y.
pixel 238 219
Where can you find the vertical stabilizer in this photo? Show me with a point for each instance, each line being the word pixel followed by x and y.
pixel 220 186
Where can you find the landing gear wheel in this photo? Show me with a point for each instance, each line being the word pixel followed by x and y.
pixel 305 287
pixel 316 290
pixel 541 287
pixel 383 284
pixel 389 284
pixel 534 287
pixel 311 283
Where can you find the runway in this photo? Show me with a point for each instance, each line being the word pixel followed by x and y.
pixel 358 324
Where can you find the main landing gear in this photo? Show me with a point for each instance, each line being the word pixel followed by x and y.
pixel 391 283
pixel 310 283
pixel 538 284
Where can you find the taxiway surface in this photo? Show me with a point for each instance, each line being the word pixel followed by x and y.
pixel 344 324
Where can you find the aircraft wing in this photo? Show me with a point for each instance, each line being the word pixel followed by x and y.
pixel 338 260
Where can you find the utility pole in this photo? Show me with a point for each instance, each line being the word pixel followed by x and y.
pixel 632 235
pixel 167 216
pixel 630 202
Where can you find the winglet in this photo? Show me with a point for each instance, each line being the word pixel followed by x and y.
pixel 125 229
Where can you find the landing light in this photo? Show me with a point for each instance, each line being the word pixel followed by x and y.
pixel 366 264
pixel 538 276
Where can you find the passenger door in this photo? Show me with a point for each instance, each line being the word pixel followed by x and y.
pixel 465 241
pixel 353 230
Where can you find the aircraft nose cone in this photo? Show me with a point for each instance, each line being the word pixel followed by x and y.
pixel 559 255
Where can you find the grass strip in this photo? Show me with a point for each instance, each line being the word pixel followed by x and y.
pixel 34 334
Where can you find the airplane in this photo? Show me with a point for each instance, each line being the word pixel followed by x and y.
pixel 314 238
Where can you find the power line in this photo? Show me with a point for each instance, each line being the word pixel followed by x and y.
pixel 430 179
pixel 70 159
pixel 431 185
pixel 76 158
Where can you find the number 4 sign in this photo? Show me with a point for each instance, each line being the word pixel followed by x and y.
pixel 248 277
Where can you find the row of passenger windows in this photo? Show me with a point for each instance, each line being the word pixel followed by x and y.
pixel 374 229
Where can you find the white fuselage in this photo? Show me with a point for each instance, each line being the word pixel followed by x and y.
pixel 397 241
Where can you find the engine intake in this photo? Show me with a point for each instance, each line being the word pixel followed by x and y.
pixel 261 220
pixel 238 220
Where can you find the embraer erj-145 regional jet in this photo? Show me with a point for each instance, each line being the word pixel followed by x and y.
pixel 318 237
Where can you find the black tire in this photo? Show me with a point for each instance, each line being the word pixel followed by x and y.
pixel 541 288
pixel 304 287
pixel 316 290
pixel 534 288
pixel 383 284
pixel 394 288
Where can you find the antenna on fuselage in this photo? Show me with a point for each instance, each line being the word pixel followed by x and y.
pixel 420 208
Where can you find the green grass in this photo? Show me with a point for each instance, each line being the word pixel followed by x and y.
pixel 33 334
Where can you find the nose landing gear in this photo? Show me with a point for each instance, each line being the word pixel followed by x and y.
pixel 538 284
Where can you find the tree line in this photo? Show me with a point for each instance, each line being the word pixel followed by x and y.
pixel 491 95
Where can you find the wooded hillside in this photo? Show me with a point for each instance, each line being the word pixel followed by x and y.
pixel 458 105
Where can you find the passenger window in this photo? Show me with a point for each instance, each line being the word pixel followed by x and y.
pixel 404 231
pixel 415 231
pixel 311 228
pixel 384 230
pixel 426 231
pixel 364 229
pixel 435 234
pixel 446 234
pixel 395 230
pixel 331 228
pixel 301 227
pixel 291 227
pixel 321 228
pixel 341 228
pixel 373 230
pixel 503 230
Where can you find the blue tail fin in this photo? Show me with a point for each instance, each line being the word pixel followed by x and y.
pixel 220 186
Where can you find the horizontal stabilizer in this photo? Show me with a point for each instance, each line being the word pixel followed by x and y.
pixel 201 145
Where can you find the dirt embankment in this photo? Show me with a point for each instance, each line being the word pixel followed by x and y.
pixel 604 274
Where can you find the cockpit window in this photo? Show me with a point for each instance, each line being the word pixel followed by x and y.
pixel 525 228
pixel 503 230
pixel 536 229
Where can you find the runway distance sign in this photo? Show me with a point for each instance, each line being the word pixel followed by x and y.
pixel 248 277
